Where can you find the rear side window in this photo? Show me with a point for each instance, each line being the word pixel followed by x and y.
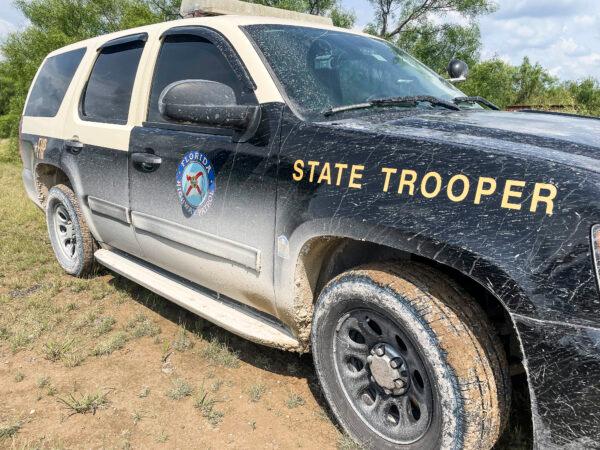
pixel 108 92
pixel 52 83
pixel 189 57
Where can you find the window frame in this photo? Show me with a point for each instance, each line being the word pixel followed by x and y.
pixel 64 97
pixel 228 52
pixel 137 37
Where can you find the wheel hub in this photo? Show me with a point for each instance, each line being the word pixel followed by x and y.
pixel 388 369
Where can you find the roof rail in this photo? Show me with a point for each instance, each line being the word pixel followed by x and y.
pixel 199 8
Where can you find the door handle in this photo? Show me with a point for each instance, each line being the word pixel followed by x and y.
pixel 146 162
pixel 74 146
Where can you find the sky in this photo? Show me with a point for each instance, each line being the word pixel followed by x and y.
pixel 562 35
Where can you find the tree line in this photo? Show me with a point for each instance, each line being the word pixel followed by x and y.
pixel 414 25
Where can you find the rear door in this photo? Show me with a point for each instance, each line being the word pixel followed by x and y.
pixel 206 209
pixel 97 138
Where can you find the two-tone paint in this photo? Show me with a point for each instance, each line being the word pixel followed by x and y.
pixel 266 221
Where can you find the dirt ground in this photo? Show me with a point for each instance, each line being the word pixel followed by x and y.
pixel 103 363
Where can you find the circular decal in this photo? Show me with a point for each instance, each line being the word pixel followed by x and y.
pixel 195 183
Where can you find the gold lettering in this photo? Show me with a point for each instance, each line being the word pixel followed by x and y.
pixel 355 175
pixel 407 178
pixel 481 191
pixel 510 193
pixel 325 174
pixel 388 174
pixel 340 168
pixel 465 191
pixel 438 187
pixel 312 165
pixel 547 199
pixel 298 170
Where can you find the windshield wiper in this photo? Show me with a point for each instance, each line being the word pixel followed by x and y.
pixel 477 99
pixel 414 101
pixel 394 101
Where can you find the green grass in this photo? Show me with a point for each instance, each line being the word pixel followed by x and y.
pixel 294 400
pixel 111 344
pixel 8 431
pixel 220 354
pixel 180 389
pixel 87 403
pixel 205 403
pixel 256 392
pixel 141 326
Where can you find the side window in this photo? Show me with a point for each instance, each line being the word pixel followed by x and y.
pixel 52 83
pixel 108 92
pixel 189 57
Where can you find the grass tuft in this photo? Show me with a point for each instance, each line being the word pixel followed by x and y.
pixel 205 403
pixel 180 389
pixel 19 376
pixel 256 392
pixel 219 353
pixel 9 431
pixel 110 345
pixel 294 400
pixel 55 350
pixel 182 342
pixel 88 403
pixel 141 326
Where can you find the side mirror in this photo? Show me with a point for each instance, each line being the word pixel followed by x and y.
pixel 458 70
pixel 205 102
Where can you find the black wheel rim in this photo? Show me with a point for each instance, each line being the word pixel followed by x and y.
pixel 383 376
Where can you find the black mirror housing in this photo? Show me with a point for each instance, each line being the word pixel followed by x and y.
pixel 458 70
pixel 204 102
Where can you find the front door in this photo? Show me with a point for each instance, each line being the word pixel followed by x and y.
pixel 202 205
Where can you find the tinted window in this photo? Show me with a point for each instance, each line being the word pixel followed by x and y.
pixel 52 83
pixel 108 93
pixel 187 57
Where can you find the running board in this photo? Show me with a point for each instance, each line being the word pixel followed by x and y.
pixel 234 317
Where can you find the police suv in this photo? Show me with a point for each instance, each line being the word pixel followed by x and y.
pixel 314 188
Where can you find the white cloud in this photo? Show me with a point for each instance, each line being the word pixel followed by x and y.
pixel 562 35
pixel 5 28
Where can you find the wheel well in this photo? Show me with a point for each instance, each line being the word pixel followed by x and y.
pixel 46 177
pixel 323 258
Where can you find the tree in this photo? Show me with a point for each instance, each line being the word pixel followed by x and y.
pixel 493 80
pixel 435 46
pixel 54 24
pixel 340 17
pixel 392 17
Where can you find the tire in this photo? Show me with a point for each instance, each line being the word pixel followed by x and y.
pixel 71 240
pixel 407 360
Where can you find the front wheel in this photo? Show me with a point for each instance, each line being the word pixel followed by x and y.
pixel 71 239
pixel 407 360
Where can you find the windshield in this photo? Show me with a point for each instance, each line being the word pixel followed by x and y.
pixel 322 69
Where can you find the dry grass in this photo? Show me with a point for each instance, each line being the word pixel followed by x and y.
pixel 75 338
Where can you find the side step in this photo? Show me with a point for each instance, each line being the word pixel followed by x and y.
pixel 237 318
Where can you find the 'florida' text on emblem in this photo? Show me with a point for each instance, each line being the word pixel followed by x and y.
pixel 195 183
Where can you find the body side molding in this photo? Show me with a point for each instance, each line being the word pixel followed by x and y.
pixel 106 208
pixel 198 240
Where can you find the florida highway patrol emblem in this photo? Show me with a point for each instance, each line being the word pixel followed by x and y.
pixel 195 183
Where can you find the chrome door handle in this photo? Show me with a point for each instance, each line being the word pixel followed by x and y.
pixel 146 162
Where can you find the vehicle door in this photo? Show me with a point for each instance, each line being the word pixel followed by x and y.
pixel 203 204
pixel 97 134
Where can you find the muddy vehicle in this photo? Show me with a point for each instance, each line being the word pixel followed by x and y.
pixel 316 189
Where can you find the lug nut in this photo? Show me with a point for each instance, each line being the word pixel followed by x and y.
pixel 399 383
pixel 367 399
pixel 380 351
pixel 395 363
